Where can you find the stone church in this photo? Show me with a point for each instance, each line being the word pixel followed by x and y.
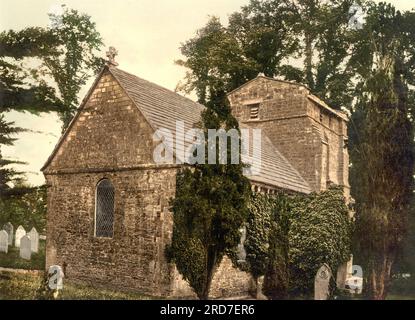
pixel 108 219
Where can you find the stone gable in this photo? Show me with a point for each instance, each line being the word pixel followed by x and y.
pixel 109 132
pixel 111 137
pixel 306 131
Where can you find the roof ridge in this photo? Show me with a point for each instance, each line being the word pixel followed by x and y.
pixel 157 85
pixel 162 108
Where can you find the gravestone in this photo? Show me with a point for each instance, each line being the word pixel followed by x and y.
pixel 241 252
pixel 8 227
pixel 322 283
pixel 4 241
pixel 55 275
pixel 34 239
pixel 20 232
pixel 25 248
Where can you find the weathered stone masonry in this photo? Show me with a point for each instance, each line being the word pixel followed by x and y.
pixel 310 134
pixel 112 137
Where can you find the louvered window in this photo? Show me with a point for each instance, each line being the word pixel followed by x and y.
pixel 254 111
pixel 104 209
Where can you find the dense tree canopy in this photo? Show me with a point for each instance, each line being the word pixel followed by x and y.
pixel 382 141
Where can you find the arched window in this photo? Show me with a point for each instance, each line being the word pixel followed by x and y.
pixel 104 209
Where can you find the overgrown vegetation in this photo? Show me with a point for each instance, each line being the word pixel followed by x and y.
pixel 320 232
pixel 382 149
pixel 368 69
pixel 210 204
pixel 289 237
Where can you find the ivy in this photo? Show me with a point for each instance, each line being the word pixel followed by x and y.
pixel 320 232
pixel 290 236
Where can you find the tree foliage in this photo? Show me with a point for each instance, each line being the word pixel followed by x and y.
pixel 289 237
pixel 257 40
pixel 8 176
pixel 34 61
pixel 209 208
pixel 27 209
pixel 382 149
pixel 308 41
pixel 320 232
pixel 41 70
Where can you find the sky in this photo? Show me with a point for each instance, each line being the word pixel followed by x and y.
pixel 147 35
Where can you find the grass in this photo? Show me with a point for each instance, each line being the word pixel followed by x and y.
pixel 15 286
pixel 12 259
pixel 27 286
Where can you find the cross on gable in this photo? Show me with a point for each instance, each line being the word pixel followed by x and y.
pixel 111 53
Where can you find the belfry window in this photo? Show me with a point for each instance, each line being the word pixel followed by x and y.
pixel 104 209
pixel 253 111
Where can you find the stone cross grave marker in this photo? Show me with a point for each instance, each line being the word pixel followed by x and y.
pixel 4 241
pixel 34 239
pixel 8 227
pixel 322 282
pixel 25 248
pixel 20 232
pixel 55 275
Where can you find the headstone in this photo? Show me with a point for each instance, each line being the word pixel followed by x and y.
pixel 55 275
pixel 25 248
pixel 8 227
pixel 241 252
pixel 34 239
pixel 259 291
pixel 322 283
pixel 20 232
pixel 4 241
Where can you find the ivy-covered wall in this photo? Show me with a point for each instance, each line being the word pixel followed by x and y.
pixel 290 236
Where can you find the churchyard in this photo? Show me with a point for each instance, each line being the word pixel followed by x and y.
pixel 22 265
pixel 29 285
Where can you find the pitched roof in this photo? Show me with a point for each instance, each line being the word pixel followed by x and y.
pixel 309 95
pixel 276 170
pixel 162 108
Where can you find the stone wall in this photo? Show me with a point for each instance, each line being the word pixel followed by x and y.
pixel 134 258
pixel 111 139
pixel 229 281
pixel 110 132
pixel 308 134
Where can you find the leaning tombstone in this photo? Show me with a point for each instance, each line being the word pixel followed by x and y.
pixel 4 241
pixel 25 248
pixel 8 227
pixel 20 232
pixel 34 239
pixel 322 283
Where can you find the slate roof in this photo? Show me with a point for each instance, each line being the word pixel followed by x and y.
pixel 162 108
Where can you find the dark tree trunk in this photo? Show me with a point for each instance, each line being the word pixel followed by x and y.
pixel 211 263
pixel 379 278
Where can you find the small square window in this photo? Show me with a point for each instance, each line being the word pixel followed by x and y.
pixel 253 111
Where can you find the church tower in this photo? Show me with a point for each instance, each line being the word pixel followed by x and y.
pixel 310 134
